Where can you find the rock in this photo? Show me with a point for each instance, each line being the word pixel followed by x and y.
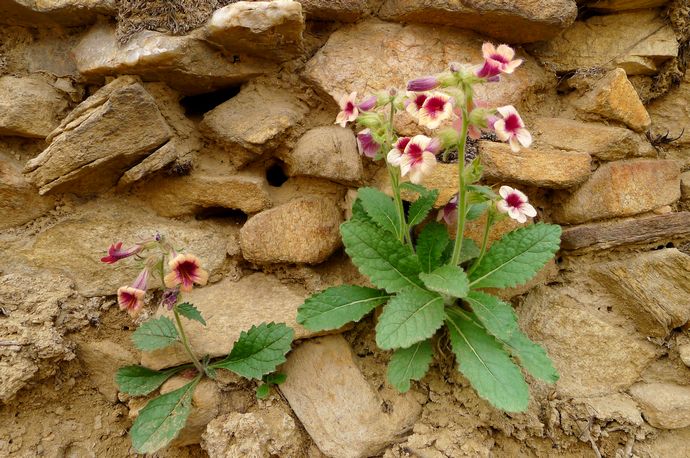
pixel 548 169
pixel 268 29
pixel 622 188
pixel 19 201
pixel 304 230
pixel 327 152
pixel 520 21
pixel 595 358
pixel 341 412
pixel 670 117
pixel 613 97
pixel 443 177
pixel 54 13
pixel 113 129
pixel 607 143
pixel 268 430
pixel 29 107
pixel 102 359
pixel 335 10
pixel 664 405
pixel 620 5
pixel 685 186
pixel 684 352
pixel 358 58
pixel 652 287
pixel 232 307
pixel 638 42
pixel 185 63
pixel 254 121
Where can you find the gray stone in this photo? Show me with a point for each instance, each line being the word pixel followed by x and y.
pixel 29 107
pixel 664 405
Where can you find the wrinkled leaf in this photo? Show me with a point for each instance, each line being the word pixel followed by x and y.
pixel 448 280
pixel 431 243
pixel 140 380
pixel 190 312
pixel 496 316
pixel 532 357
pixel 421 207
pixel 155 333
pixel 409 364
pixel 411 316
pixel 381 209
pixel 339 305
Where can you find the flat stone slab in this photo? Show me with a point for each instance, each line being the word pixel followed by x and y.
pixel 29 107
pixel 664 405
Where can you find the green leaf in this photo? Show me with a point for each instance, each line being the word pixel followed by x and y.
pixel 163 417
pixel 418 188
pixel 140 380
pixel 482 359
pixel 259 351
pixel 388 263
pixel 517 257
pixel 421 207
pixel 431 243
pixel 381 209
pixel 190 312
pixel 359 213
pixel 485 191
pixel 263 390
pixel 474 211
pixel 448 280
pixel 411 316
pixel 532 357
pixel 155 333
pixel 337 306
pixel 409 364
pixel 469 251
pixel 496 316
pixel 275 378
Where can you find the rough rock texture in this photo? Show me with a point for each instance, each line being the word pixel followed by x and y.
pixel 29 107
pixel 620 5
pixel 639 42
pixel 358 58
pixel 622 188
pixel 54 13
pixel 335 10
pixel 607 143
pixel 19 200
pixel 342 413
pixel 684 353
pixel 327 152
pixel 549 169
pixel 113 129
pixel 613 97
pixel 230 308
pixel 664 405
pixel 102 359
pixel 670 115
pixel 304 230
pixel 685 185
pixel 443 177
pixel 520 21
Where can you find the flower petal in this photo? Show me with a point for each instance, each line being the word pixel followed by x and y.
pixel 506 51
pixel 514 144
pixel 528 210
pixel 524 137
pixel 488 49
pixel 505 191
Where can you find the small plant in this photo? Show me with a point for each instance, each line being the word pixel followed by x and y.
pixel 425 279
pixel 255 355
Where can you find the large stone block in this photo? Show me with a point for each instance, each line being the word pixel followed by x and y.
pixel 54 13
pixel 19 200
pixel 621 5
pixel 335 10
pixel 671 118
pixel 664 405
pixel 29 107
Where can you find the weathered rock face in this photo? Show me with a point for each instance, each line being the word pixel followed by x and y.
pixel 549 169
pixel 670 116
pixel 102 359
pixel 19 201
pixel 607 143
pixel 637 42
pixel 304 230
pixel 685 186
pixel 664 405
pixel 443 177
pixel 113 129
pixel 622 188
pixel 29 107
pixel 337 406
pixel 519 21
pixel 619 5
pixel 335 10
pixel 52 13
pixel 374 55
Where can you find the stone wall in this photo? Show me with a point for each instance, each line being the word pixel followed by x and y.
pixel 119 119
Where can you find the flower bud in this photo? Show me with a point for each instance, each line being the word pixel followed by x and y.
pixel 369 119
pixel 448 137
pixel 479 117
pixel 367 104
pixel 425 83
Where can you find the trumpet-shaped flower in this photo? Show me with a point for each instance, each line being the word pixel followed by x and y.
pixel 512 129
pixel 368 103
pixel 367 144
pixel 418 157
pixel 515 204
pixel 185 270
pixel 414 102
pixel 436 108
pixel 497 60
pixel 131 298
pixel 425 83
pixel 115 253
pixel 348 109
pixel 449 212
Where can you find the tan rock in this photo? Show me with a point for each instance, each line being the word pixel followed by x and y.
pixel 664 405
pixel 443 177
pixel 327 152
pixel 102 359
pixel 638 41
pixel 685 185
pixel 684 352
pixel 304 230
pixel 230 308
pixel 54 13
pixel 29 107
pixel 622 188
pixel 269 29
pixel 335 10
pixel 620 5
pixel 652 288
pixel 185 63
pixel 671 117
pixel 614 97
pixel 519 21
pixel 607 143
pixel 594 358
pixel 339 409
pixel 358 58
pixel 548 169
pixel 19 200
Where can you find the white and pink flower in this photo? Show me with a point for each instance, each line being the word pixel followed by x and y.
pixel 185 270
pixel 511 128
pixel 414 102
pixel 497 60
pixel 515 204
pixel 348 109
pixel 131 298
pixel 367 144
pixel 436 108
pixel 449 212
pixel 416 156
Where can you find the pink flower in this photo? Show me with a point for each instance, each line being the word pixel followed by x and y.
pixel 449 212
pixel 169 298
pixel 512 129
pixel 348 109
pixel 497 60
pixel 515 204
pixel 414 102
pixel 418 157
pixel 115 253
pixel 425 83
pixel 131 298
pixel 367 144
pixel 368 103
pixel 436 108
pixel 185 270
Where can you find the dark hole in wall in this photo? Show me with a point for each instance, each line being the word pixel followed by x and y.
pixel 197 105
pixel 233 214
pixel 275 175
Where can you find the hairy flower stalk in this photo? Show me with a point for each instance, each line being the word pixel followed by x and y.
pixel 462 192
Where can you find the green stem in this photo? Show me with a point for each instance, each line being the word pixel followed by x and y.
pixel 485 241
pixel 395 181
pixel 460 228
pixel 185 342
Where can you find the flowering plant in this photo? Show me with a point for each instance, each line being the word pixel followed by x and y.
pixel 425 278
pixel 256 354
